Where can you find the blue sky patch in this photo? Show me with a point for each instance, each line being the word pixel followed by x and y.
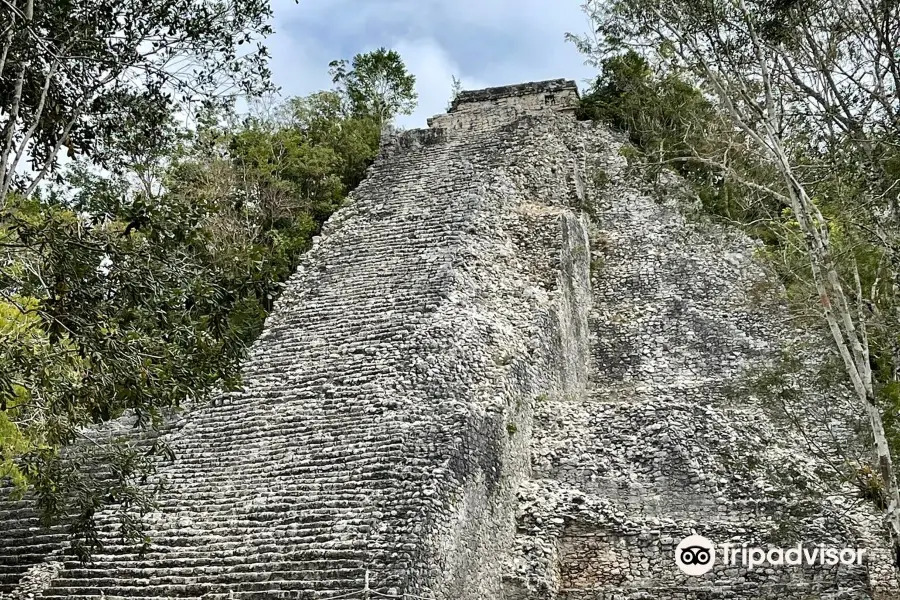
pixel 483 42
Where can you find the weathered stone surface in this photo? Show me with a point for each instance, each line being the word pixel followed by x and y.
pixel 659 447
pixel 473 388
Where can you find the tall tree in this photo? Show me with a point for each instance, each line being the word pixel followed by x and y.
pixel 71 73
pixel 107 304
pixel 810 91
pixel 119 298
pixel 376 83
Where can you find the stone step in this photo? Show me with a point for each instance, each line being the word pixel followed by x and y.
pixel 267 589
pixel 193 465
pixel 297 594
pixel 317 455
pixel 134 570
pixel 200 557
pixel 225 526
pixel 251 573
pixel 34 534
pixel 184 547
pixel 11 553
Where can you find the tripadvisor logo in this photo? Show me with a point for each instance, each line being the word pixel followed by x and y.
pixel 696 555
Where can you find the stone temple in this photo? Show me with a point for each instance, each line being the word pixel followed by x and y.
pixel 504 371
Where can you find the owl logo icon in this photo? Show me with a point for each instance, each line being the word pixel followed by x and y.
pixel 695 555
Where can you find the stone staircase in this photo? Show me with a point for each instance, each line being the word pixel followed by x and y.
pixel 372 446
pixel 25 542
pixel 439 409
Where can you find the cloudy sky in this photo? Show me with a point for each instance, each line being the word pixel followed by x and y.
pixel 482 42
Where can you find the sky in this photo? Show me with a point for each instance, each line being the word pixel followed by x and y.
pixel 484 43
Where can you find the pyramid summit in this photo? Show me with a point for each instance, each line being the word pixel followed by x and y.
pixel 504 370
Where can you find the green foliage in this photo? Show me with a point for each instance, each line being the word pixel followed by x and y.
pixel 601 179
pixel 100 318
pixel 871 487
pixel 75 72
pixel 671 123
pixel 376 84
pixel 136 291
pixel 455 89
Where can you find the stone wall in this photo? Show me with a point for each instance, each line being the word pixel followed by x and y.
pixel 382 430
pixel 661 446
pixel 496 375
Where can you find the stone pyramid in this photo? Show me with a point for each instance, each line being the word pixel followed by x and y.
pixel 503 371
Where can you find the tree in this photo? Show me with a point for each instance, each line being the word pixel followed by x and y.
pixel 272 181
pixel 376 84
pixel 810 92
pixel 675 125
pixel 137 288
pixel 105 305
pixel 104 315
pixel 455 89
pixel 72 73
pixel 138 291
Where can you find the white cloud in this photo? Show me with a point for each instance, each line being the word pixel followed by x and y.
pixel 298 67
pixel 434 71
pixel 483 42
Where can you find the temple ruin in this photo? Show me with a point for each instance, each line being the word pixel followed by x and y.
pixel 504 371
